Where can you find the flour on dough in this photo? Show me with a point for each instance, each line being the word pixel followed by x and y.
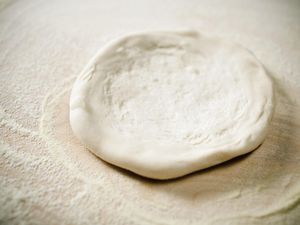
pixel 165 104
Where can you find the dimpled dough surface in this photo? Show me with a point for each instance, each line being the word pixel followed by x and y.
pixel 164 104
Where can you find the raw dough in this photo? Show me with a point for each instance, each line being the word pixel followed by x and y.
pixel 165 104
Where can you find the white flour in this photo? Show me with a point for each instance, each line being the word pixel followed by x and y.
pixel 47 177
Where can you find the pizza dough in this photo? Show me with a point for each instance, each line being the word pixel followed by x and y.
pixel 165 104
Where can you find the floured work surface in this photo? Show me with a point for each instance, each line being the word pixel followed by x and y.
pixel 47 177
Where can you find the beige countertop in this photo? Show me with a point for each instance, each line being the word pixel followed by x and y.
pixel 48 177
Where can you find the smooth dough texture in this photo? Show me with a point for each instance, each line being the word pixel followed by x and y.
pixel 165 104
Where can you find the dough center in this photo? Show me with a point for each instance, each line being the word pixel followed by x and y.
pixel 175 96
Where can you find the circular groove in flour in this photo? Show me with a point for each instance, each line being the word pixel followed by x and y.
pixel 164 104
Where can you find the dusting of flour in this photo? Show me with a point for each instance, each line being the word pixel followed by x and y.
pixel 179 103
pixel 48 177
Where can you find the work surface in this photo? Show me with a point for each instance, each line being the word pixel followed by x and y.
pixel 48 177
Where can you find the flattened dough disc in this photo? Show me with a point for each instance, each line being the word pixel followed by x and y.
pixel 165 104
